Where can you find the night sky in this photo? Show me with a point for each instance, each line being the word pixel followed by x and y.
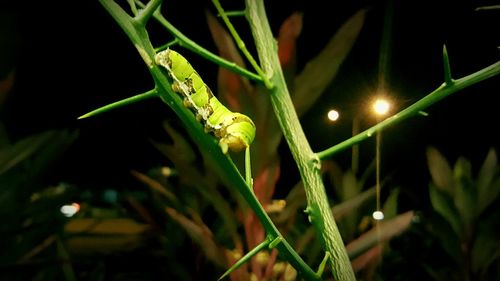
pixel 71 57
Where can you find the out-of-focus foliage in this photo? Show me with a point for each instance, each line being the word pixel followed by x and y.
pixel 31 219
pixel 465 223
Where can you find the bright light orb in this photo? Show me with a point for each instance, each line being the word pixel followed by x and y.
pixel 381 106
pixel 333 115
pixel 378 215
pixel 70 210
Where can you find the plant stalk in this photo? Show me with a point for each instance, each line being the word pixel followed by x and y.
pixel 308 163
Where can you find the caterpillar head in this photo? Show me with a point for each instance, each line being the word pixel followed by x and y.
pixel 239 133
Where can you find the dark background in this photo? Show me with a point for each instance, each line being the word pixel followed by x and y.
pixel 71 57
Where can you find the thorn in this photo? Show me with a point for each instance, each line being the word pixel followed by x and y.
pixel 448 80
pixel 127 101
pixel 322 265
pixel 245 258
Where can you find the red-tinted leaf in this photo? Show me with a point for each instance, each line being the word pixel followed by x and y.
pixel 233 89
pixel 287 39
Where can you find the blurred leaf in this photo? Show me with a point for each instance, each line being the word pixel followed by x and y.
pixel 368 257
pixel 322 69
pixel 465 192
pixel 385 231
pixel 334 173
pixel 93 236
pixel 447 239
pixel 352 205
pixel 233 89
pixel 38 248
pixel 63 255
pixel 486 245
pixel 182 155
pixel 443 205
pixel 440 170
pixel 390 207
pixel 487 189
pixel 124 226
pixel 485 251
pixel 181 150
pixel 201 235
pixel 289 31
pixel 155 186
pixel 349 188
pixel 223 209
pixel 103 244
pixel 40 143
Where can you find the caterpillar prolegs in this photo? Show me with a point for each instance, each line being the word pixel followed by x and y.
pixel 235 131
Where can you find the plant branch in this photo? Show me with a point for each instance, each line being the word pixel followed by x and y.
pixel 309 165
pixel 146 13
pixel 189 44
pixel 220 162
pixel 241 44
pixel 440 93
pixel 140 97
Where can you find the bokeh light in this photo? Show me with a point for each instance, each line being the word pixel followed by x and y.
pixel 333 115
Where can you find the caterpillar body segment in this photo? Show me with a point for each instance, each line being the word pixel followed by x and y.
pixel 235 131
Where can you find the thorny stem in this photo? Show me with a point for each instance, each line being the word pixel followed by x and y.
pixel 440 93
pixel 241 44
pixel 220 162
pixel 189 44
pixel 309 165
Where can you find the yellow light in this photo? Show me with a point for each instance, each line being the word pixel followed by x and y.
pixel 381 106
pixel 333 115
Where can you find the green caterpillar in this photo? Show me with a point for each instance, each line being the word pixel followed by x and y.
pixel 235 131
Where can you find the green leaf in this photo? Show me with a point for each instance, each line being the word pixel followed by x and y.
pixel 350 187
pixel 485 251
pixel 347 207
pixel 465 193
pixel 66 266
pixel 390 207
pixel 440 170
pixel 446 237
pixel 486 246
pixel 487 192
pixel 201 234
pixel 443 204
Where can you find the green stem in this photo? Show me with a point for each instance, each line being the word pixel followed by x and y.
pixel 246 258
pixel 241 44
pixel 220 162
pixel 248 168
pixel 234 13
pixel 140 97
pixel 414 109
pixel 309 165
pixel 189 44
pixel 146 13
